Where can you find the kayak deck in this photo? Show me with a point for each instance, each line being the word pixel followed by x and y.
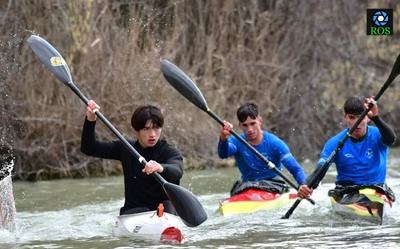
pixel 150 226
pixel 367 204
pixel 253 200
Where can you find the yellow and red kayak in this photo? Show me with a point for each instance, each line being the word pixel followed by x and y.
pixel 253 200
pixel 366 204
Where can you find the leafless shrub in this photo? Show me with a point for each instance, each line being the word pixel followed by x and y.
pixel 297 59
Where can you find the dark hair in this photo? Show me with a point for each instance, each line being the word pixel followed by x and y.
pixel 354 105
pixel 144 113
pixel 247 110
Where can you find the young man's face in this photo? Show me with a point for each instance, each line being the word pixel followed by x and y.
pixel 149 135
pixel 361 129
pixel 252 129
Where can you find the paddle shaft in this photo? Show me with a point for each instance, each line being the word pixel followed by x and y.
pixel 258 154
pixel 127 145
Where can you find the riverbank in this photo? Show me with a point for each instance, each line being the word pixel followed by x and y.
pixel 115 169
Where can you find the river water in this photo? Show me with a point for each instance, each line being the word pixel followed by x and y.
pixel 81 214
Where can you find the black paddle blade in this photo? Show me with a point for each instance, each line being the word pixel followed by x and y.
pixel 183 84
pixel 186 204
pixel 51 58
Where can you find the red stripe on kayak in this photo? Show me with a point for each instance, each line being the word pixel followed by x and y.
pixel 254 195
pixel 172 234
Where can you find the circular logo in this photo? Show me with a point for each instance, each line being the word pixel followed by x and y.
pixel 57 61
pixel 380 18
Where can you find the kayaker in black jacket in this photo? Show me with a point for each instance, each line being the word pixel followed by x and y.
pixel 142 191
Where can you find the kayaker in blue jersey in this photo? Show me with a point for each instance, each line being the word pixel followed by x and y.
pixel 362 159
pixel 142 191
pixel 254 172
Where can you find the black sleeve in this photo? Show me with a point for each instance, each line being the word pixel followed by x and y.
pixel 387 133
pixel 91 147
pixel 173 166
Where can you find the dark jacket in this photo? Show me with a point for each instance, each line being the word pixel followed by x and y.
pixel 141 190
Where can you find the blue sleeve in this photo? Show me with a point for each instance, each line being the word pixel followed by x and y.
pixel 327 151
pixel 324 155
pixel 287 159
pixel 226 148
pixel 294 168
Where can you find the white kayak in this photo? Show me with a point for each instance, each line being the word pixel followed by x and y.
pixel 150 226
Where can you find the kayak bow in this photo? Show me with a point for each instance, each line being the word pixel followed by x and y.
pixel 253 200
pixel 150 226
pixel 366 204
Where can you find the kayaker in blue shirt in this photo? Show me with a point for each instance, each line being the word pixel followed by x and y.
pixel 254 172
pixel 362 159
pixel 142 191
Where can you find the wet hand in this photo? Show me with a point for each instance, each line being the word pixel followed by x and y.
pixel 152 166
pixel 91 110
pixel 304 192
pixel 225 131
pixel 374 110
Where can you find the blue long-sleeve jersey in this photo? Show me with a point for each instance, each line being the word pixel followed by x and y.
pixel 251 167
pixel 361 162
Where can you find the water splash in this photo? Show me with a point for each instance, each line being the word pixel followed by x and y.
pixel 8 67
pixel 7 205
pixel 6 163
